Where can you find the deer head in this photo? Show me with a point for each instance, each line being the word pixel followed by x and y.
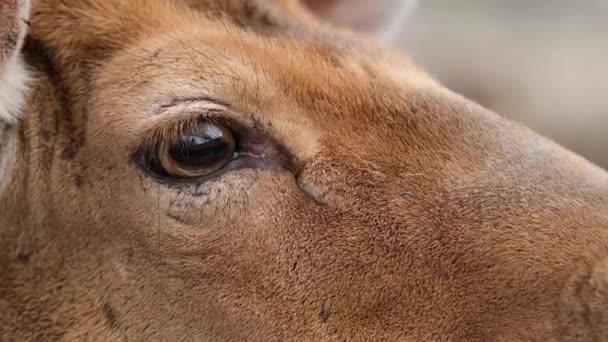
pixel 244 170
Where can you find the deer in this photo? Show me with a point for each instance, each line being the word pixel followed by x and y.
pixel 274 170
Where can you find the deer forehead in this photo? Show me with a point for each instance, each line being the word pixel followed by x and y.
pixel 300 91
pixel 280 70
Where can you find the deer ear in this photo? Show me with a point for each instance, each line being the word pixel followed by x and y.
pixel 383 18
pixel 13 76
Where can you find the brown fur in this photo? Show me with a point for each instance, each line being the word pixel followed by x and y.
pixel 388 209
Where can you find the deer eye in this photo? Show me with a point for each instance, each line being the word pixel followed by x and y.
pixel 198 152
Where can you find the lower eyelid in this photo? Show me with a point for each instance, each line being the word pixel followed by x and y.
pixel 246 154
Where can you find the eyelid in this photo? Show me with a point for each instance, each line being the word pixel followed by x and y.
pixel 171 131
pixel 199 104
pixel 169 118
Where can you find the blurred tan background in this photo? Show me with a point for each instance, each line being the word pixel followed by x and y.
pixel 543 63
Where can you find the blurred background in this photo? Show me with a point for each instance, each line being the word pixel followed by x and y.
pixel 543 63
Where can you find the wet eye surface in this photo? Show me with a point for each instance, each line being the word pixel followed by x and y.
pixel 199 151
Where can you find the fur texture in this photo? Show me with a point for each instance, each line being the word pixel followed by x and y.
pixel 13 90
pixel 13 74
pixel 367 202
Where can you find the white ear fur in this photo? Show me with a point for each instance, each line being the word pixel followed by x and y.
pixel 383 18
pixel 13 88
pixel 13 74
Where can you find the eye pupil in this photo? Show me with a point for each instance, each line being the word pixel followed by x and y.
pixel 198 152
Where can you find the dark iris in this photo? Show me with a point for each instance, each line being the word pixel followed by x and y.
pixel 199 152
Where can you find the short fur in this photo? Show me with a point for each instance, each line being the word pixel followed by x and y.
pixel 380 206
pixel 13 74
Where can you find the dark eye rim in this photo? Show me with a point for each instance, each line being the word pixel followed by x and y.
pixel 179 159
pixel 145 156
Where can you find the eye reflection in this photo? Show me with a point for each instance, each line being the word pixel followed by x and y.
pixel 199 152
